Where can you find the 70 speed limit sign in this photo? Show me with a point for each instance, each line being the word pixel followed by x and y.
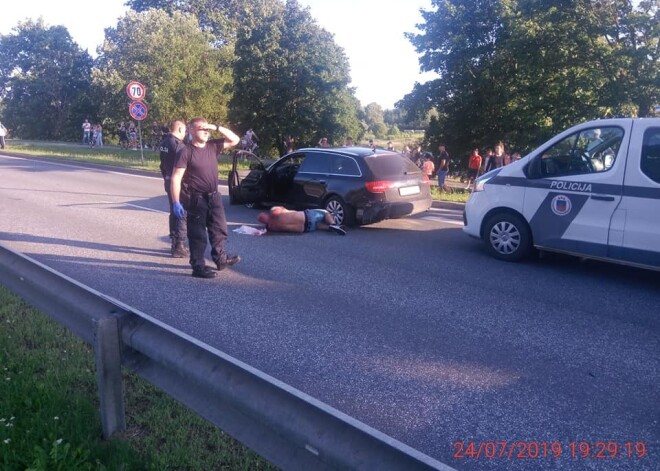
pixel 135 91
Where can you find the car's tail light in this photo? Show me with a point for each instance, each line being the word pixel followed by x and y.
pixel 380 186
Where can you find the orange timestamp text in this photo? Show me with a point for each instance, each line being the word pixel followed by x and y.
pixel 526 450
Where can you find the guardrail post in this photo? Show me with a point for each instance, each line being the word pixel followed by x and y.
pixel 108 368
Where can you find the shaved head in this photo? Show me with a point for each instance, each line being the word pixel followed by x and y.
pixel 178 129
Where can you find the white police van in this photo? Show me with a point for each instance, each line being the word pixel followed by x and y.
pixel 592 191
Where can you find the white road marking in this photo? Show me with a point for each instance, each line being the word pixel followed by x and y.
pixel 135 206
pixel 447 216
pixel 441 219
pixel 82 167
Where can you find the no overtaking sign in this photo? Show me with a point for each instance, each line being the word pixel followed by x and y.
pixel 138 110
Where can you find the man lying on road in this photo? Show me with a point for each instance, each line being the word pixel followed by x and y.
pixel 280 219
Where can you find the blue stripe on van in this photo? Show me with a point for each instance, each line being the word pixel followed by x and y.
pixel 579 187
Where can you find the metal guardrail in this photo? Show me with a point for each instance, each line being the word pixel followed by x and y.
pixel 287 427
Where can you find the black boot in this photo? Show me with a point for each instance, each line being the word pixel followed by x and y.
pixel 204 272
pixel 227 261
pixel 179 249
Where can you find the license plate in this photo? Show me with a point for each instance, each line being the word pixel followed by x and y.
pixel 409 190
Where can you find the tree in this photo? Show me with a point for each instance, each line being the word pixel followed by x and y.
pixel 185 75
pixel 221 18
pixel 290 78
pixel 374 116
pixel 46 79
pixel 521 70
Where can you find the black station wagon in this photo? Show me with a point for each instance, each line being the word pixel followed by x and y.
pixel 357 185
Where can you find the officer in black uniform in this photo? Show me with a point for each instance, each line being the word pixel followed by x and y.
pixel 168 148
pixel 195 188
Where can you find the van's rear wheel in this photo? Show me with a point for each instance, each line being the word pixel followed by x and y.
pixel 507 237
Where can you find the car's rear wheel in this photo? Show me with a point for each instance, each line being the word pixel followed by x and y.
pixel 341 212
pixel 507 237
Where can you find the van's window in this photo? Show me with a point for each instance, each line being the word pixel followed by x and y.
pixel 588 151
pixel 650 161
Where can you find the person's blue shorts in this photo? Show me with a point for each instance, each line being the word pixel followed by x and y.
pixel 313 217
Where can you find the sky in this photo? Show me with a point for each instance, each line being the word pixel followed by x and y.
pixel 384 65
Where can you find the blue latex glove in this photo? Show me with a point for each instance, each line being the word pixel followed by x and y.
pixel 178 210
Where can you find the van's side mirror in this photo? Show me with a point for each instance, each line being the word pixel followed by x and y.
pixel 533 168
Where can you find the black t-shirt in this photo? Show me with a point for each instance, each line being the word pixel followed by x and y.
pixel 444 155
pixel 168 148
pixel 201 165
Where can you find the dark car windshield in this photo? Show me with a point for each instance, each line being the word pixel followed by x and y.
pixel 390 166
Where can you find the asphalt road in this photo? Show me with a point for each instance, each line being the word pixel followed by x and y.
pixel 406 325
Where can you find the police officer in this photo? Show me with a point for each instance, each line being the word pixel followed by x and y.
pixel 168 148
pixel 195 188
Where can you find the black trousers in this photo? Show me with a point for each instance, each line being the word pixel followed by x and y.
pixel 178 231
pixel 206 221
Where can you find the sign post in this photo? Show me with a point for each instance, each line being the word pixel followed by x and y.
pixel 138 111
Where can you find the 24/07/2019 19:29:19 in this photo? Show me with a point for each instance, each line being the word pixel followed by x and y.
pixel 540 449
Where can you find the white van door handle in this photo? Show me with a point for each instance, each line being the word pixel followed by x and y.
pixel 602 198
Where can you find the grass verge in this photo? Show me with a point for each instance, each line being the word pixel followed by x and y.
pixel 49 410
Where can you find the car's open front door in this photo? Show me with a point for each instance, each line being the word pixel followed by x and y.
pixel 246 179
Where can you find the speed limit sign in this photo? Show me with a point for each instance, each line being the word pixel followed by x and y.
pixel 135 91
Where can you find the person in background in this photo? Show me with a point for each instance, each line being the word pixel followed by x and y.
pixel 349 142
pixel 428 167
pixel 132 135
pixel 95 136
pixel 443 168
pixel 390 146
pixel 156 136
pixel 487 159
pixel 474 164
pixel 497 159
pixel 3 134
pixel 99 135
pixel 168 149
pixel 195 191
pixel 323 142
pixel 87 130
pixel 123 136
pixel 417 156
pixel 289 144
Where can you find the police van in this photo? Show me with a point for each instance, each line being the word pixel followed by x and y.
pixel 591 191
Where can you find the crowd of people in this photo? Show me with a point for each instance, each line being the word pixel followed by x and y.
pixel 92 134
pixel 438 165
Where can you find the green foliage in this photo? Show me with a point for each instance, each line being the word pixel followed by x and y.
pixel 290 78
pixel 379 130
pixel 219 17
pixel 46 77
pixel 393 131
pixel 185 76
pixel 374 115
pixel 521 70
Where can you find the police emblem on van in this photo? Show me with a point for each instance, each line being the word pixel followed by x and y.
pixel 561 205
